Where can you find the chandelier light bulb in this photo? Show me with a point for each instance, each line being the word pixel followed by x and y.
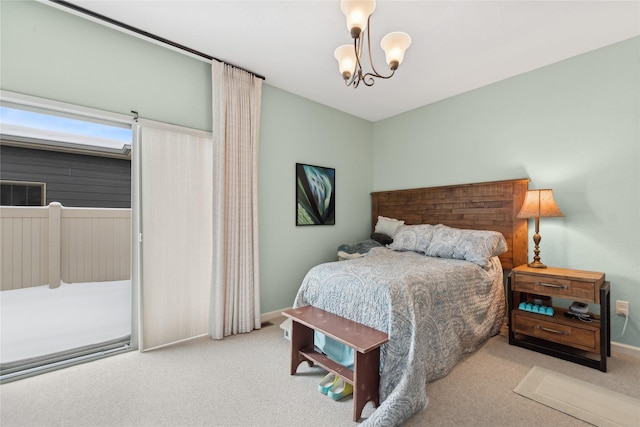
pixel 357 13
pixel 346 57
pixel 394 46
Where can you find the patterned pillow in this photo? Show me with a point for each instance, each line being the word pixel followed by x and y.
pixel 388 226
pixel 413 238
pixel 477 246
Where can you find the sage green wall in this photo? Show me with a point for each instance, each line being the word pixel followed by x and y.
pixel 296 130
pixel 52 54
pixel 573 127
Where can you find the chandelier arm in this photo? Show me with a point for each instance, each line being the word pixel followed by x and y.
pixel 353 82
pixel 357 75
pixel 372 75
pixel 357 45
pixel 375 72
pixel 369 82
pixel 354 74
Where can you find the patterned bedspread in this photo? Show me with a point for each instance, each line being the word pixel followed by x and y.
pixel 433 309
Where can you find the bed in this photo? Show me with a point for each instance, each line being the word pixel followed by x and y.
pixel 41 326
pixel 437 290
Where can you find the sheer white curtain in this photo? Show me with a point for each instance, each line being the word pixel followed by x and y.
pixel 235 290
pixel 174 211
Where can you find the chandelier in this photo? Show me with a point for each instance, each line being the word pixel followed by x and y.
pixel 349 57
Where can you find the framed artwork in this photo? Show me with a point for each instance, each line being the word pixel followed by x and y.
pixel 315 195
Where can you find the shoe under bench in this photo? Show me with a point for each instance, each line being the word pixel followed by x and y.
pixel 366 341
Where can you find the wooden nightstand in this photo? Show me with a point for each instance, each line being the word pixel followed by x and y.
pixel 587 343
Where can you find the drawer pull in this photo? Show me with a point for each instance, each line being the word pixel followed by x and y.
pixel 551 285
pixel 553 331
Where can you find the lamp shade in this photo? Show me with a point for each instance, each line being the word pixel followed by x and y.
pixel 346 57
pixel 539 203
pixel 394 46
pixel 357 13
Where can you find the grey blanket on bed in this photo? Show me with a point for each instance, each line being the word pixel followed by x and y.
pixel 433 309
pixel 360 247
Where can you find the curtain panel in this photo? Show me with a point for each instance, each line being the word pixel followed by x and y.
pixel 235 285
pixel 175 232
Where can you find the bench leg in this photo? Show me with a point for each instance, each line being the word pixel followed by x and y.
pixel 366 380
pixel 301 338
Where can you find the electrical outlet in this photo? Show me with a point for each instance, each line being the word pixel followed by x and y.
pixel 622 307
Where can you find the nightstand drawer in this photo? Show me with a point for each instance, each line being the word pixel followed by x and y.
pixel 555 287
pixel 573 335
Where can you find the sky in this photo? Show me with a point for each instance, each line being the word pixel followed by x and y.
pixel 111 136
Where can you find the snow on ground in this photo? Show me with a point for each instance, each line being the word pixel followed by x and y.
pixel 38 321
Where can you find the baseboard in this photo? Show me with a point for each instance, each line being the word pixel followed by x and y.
pixel 629 350
pixel 265 317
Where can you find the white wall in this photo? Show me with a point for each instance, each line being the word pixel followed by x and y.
pixel 573 127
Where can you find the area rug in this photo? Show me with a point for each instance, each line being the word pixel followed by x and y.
pixel 588 402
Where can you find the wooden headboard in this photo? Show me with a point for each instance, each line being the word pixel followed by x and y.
pixel 482 206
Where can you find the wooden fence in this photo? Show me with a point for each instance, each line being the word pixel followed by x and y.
pixel 43 245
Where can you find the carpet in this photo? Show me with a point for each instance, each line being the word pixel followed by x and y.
pixel 588 402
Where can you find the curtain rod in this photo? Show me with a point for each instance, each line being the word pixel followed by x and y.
pixel 146 34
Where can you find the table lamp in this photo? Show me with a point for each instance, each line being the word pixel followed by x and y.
pixel 538 203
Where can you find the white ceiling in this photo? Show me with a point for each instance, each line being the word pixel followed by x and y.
pixel 457 46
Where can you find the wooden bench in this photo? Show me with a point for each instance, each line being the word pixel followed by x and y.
pixel 366 341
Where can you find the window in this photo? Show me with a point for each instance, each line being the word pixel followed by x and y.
pixel 53 130
pixel 83 156
pixel 17 193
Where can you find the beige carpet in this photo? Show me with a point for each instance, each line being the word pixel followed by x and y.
pixel 244 381
pixel 588 402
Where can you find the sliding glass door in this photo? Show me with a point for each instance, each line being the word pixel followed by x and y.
pixel 66 289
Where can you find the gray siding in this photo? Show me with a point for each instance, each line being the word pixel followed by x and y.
pixel 75 180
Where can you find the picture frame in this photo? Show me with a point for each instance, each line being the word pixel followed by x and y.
pixel 315 195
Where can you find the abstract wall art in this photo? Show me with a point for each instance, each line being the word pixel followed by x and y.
pixel 315 195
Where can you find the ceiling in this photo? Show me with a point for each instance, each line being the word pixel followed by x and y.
pixel 457 46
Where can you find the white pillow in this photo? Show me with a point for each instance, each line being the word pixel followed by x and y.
pixel 388 226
